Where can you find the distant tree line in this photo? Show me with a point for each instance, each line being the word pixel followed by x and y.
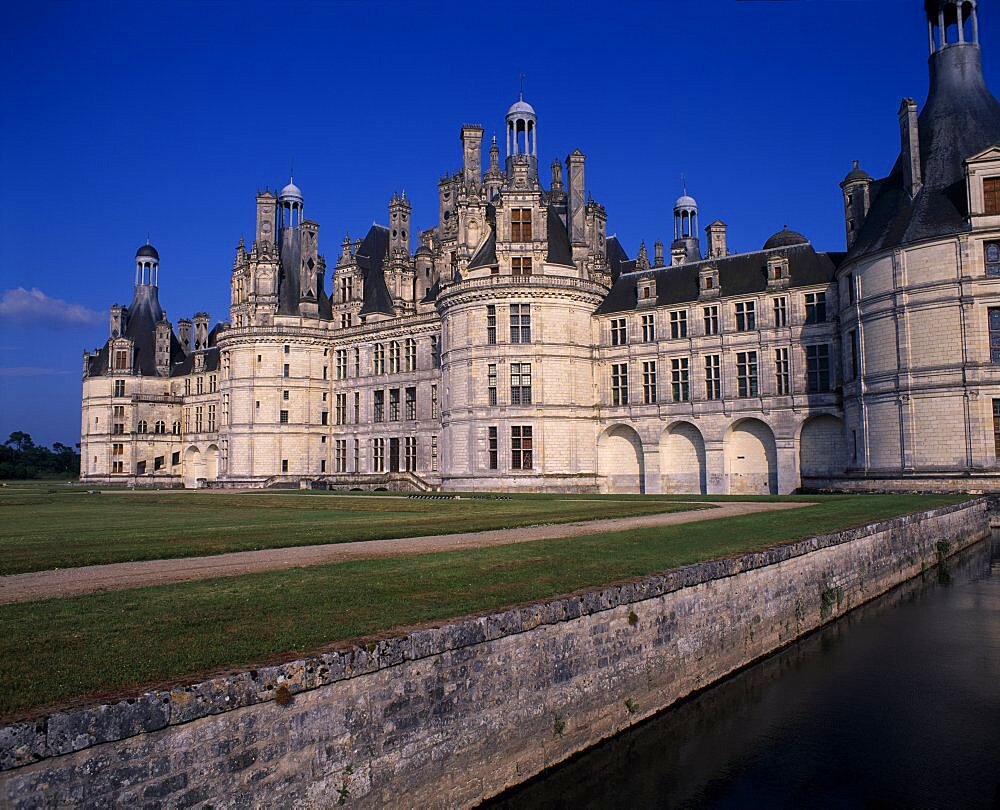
pixel 20 457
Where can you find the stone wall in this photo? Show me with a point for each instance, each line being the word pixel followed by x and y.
pixel 444 717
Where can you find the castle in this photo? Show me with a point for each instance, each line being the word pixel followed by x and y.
pixel 518 347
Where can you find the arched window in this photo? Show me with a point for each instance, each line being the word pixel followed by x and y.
pixel 160 427
pixel 141 428
pixel 176 430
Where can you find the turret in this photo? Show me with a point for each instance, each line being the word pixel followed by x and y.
pixel 291 205
pixel 147 266
pixel 119 321
pixel 399 221
pixel 716 234
pixel 161 347
pixel 686 228
pixel 522 136
pixel 856 188
pixel 200 331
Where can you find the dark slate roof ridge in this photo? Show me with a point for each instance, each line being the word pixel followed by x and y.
pixel 370 257
pixel 719 259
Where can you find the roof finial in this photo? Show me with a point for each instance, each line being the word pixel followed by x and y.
pixel 147 237
pixel 522 87
pixel 684 184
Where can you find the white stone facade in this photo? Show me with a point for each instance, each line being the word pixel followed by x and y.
pixel 520 348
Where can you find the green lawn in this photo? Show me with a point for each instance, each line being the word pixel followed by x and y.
pixel 40 529
pixel 57 651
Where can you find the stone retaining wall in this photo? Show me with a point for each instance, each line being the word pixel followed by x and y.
pixel 445 717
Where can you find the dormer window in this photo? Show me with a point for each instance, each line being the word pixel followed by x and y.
pixel 991 195
pixel 777 272
pixel 708 282
pixel 646 291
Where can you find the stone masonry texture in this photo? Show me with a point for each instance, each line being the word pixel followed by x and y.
pixel 448 716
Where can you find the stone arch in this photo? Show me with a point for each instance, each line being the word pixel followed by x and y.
pixel 212 462
pixel 822 447
pixel 619 460
pixel 682 460
pixel 751 458
pixel 194 467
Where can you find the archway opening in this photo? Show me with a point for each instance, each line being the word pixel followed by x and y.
pixel 194 467
pixel 212 462
pixel 822 447
pixel 751 458
pixel 619 460
pixel 682 460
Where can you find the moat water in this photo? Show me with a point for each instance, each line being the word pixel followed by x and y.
pixel 896 704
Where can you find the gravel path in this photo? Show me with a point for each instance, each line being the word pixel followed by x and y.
pixel 122 576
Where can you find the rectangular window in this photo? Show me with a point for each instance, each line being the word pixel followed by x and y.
pixel 211 383
pixel 746 374
pixel 520 265
pixel 341 357
pixel 117 458
pixel 411 403
pixel 679 380
pixel 648 327
pixel 211 418
pixel 284 465
pixel 711 316
pixel 816 307
pixel 649 382
pixel 520 447
pixel 991 195
pixel 282 417
pixel 284 371
pixel 491 383
pixel 378 406
pixel 199 419
pixel 520 225
pixel 713 376
pixel 678 324
pixel 435 352
pixel 520 323
pixel 411 354
pixel 379 357
pixel 410 453
pixel 357 362
pixel 357 455
pixel 494 448
pixel 340 456
pixel 175 459
pixel 187 386
pixel 996 430
pixel 746 316
pixel 378 455
pixel 855 355
pixel 851 289
pixel 520 383
pixel 394 357
pixel 434 453
pixel 434 402
pixel 357 407
pixel 121 358
pixel 491 324
pixel 619 331
pixel 991 252
pixel 346 320
pixel 780 311
pixel 324 418
pixel 782 378
pixel 619 384
pixel 286 349
pixel 346 289
pixel 201 385
pixel 119 388
pixel 340 410
pixel 393 404
pixel 818 368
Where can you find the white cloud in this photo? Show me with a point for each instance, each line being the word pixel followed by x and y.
pixel 23 305
pixel 30 371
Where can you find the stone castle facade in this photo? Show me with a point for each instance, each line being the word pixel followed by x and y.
pixel 519 347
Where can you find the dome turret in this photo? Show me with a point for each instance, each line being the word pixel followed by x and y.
pixel 522 135
pixel 290 203
pixel 147 266
pixel 785 238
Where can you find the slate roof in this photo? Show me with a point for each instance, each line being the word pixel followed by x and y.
pixel 288 278
pixel 560 250
pixel 618 259
pixel 370 257
pixel 742 274
pixel 960 118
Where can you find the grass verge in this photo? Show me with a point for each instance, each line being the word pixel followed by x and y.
pixel 66 529
pixel 59 651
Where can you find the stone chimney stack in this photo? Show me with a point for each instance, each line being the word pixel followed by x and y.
pixel 658 253
pixel 162 347
pixel 716 232
pixel 910 145
pixel 184 334
pixel 200 330
pixel 472 153
pixel 577 197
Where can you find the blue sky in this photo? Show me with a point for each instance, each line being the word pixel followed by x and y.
pixel 122 119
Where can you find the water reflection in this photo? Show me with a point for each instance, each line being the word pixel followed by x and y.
pixel 896 704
